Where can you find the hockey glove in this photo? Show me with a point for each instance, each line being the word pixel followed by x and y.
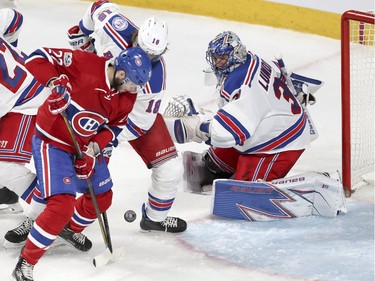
pixel 59 99
pixel 180 106
pixel 80 41
pixel 85 165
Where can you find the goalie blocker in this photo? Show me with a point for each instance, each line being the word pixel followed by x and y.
pixel 302 195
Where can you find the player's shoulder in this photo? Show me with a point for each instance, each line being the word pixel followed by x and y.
pixel 10 24
pixel 157 82
pixel 103 5
pixel 125 102
pixel 235 80
pixel 243 75
pixel 9 16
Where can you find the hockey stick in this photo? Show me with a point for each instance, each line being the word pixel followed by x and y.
pixel 313 131
pixel 108 254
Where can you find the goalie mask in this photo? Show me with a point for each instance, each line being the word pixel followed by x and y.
pixel 152 37
pixel 225 52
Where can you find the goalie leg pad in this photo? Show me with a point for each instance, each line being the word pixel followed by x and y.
pixel 302 195
pixel 256 201
pixel 196 174
pixel 325 191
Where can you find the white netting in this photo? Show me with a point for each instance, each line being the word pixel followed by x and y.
pixel 180 106
pixel 362 91
pixel 177 107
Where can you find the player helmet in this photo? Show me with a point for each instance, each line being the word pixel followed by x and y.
pixel 225 52
pixel 136 64
pixel 152 37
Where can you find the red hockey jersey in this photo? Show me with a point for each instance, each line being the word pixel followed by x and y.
pixel 97 112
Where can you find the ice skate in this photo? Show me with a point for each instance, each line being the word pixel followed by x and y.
pixel 23 270
pixel 77 240
pixel 9 202
pixel 170 224
pixel 16 237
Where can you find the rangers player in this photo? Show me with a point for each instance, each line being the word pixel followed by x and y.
pixel 10 24
pixel 20 97
pixel 145 129
pixel 258 133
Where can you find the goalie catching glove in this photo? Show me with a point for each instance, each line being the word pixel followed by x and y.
pixel 84 165
pixel 80 41
pixel 180 106
pixel 59 99
pixel 182 119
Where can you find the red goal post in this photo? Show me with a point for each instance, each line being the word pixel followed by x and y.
pixel 357 97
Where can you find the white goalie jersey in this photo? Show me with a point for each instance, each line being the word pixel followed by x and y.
pixel 259 113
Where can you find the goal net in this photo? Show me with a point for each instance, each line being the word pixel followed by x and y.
pixel 357 97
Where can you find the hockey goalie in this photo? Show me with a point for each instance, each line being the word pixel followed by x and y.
pixel 261 129
pixel 212 172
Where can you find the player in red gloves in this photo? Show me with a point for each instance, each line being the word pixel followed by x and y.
pixel 96 94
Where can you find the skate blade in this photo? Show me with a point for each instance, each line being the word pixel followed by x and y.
pixel 15 208
pixel 107 256
pixel 10 245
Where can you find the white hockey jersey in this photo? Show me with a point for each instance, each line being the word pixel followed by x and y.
pixel 10 25
pixel 114 32
pixel 259 114
pixel 19 91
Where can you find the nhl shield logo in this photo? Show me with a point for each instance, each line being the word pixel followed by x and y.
pixel 119 23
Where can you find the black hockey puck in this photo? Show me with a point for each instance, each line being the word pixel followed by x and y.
pixel 130 216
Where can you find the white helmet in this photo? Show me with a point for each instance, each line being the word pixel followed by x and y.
pixel 152 36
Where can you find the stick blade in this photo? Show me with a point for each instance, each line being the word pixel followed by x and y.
pixel 107 256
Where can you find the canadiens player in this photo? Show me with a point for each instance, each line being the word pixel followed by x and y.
pixel 97 94
pixel 145 125
pixel 20 97
pixel 258 133
pixel 145 130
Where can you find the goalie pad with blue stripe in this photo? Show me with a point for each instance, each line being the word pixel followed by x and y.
pixel 299 196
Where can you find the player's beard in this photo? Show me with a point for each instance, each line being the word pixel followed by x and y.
pixel 117 83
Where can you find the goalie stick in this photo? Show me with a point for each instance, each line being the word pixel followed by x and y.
pixel 109 254
pixel 313 132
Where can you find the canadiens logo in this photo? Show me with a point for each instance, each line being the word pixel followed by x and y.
pixel 67 180
pixel 119 23
pixel 86 123
pixel 138 61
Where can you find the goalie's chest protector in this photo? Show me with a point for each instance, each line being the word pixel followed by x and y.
pixel 261 115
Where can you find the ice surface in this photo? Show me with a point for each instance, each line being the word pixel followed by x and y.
pixel 312 248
